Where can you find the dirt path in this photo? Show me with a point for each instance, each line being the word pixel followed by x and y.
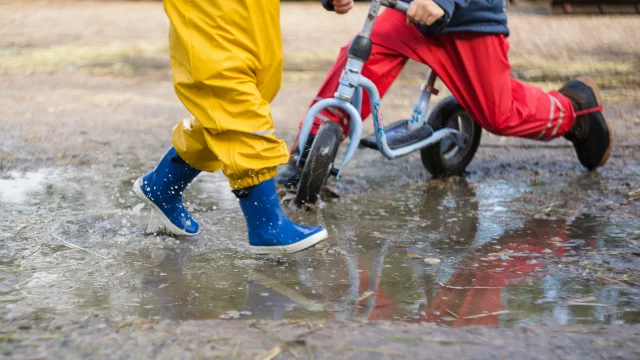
pixel 144 339
pixel 101 81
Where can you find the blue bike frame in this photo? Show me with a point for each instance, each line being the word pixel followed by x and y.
pixel 348 97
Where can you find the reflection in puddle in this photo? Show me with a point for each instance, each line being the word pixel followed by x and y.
pixel 446 253
pixel 474 294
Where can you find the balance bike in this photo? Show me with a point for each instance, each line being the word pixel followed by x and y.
pixel 447 139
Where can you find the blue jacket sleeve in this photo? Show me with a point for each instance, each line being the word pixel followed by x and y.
pixel 449 7
pixel 328 4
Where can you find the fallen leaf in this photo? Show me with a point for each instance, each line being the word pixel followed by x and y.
pixel 585 304
pixel 365 295
pixel 273 353
pixel 588 299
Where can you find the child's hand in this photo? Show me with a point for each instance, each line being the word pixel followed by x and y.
pixel 423 12
pixel 342 6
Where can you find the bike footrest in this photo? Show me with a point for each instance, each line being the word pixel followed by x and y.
pixel 398 136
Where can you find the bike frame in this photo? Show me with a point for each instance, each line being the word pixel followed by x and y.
pixel 348 97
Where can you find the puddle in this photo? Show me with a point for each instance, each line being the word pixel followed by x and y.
pixel 454 253
pixel 16 187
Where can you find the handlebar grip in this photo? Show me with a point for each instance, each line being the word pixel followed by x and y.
pixel 396 5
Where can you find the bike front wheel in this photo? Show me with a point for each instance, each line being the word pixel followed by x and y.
pixel 318 163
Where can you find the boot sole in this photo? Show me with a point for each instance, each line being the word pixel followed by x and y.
pixel 288 249
pixel 596 90
pixel 137 189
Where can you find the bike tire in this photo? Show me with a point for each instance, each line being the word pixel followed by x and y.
pixel 445 158
pixel 318 163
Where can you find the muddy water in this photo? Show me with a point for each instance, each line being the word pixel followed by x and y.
pixel 76 241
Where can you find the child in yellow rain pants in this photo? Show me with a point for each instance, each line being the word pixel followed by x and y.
pixel 226 58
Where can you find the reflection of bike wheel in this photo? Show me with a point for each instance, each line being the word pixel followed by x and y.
pixel 447 158
pixel 319 162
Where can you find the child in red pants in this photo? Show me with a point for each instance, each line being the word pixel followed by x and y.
pixel 465 43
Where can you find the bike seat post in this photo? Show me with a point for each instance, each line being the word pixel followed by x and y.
pixel 421 107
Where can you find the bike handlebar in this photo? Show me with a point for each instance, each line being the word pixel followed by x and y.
pixel 396 5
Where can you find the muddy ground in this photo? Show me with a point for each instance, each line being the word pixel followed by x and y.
pixel 527 241
pixel 150 339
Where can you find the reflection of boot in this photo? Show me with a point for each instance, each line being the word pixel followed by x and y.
pixel 270 307
pixel 270 231
pixel 162 189
pixel 166 289
pixel 591 134
pixel 290 176
pixel 585 227
pixel 455 199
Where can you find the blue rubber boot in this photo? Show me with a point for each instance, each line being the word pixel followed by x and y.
pixel 269 229
pixel 162 190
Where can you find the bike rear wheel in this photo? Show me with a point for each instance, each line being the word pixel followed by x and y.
pixel 447 158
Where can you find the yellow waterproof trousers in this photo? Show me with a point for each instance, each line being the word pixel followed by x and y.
pixel 226 59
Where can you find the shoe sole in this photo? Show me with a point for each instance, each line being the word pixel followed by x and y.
pixel 596 90
pixel 137 189
pixel 289 249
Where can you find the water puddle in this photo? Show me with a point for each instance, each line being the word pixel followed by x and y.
pixel 455 253
pixel 16 187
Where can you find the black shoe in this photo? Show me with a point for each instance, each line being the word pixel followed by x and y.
pixel 290 176
pixel 591 134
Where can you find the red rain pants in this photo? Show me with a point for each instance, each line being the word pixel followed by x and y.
pixel 474 67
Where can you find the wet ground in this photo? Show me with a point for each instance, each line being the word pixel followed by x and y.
pixel 462 252
pixel 526 239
